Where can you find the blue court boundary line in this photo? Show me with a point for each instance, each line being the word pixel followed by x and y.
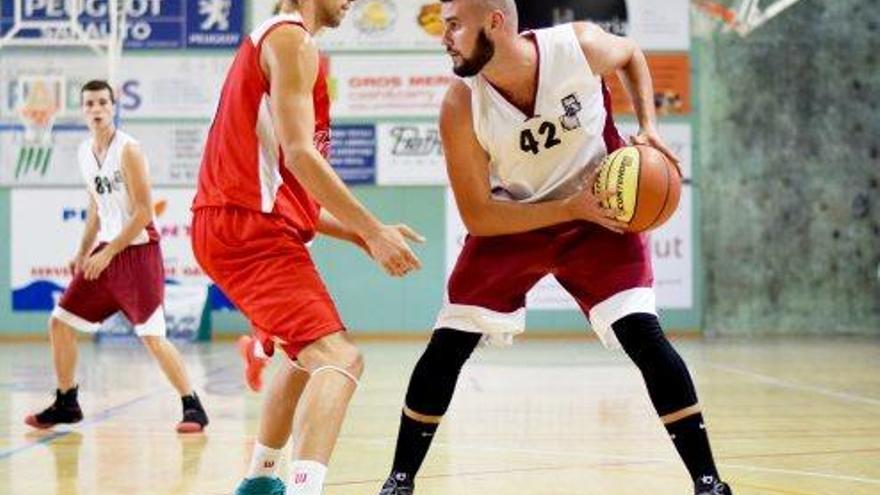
pixel 99 417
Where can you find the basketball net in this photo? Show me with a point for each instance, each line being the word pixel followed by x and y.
pixel 41 101
pixel 712 15
pixel 749 16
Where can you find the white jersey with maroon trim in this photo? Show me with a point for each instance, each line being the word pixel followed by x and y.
pixel 106 183
pixel 546 154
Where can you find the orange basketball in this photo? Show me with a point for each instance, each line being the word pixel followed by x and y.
pixel 648 186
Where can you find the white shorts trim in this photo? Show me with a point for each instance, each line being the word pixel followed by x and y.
pixel 498 327
pixel 154 326
pixel 77 322
pixel 604 314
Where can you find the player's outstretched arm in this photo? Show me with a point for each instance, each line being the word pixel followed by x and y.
pixel 332 227
pixel 607 54
pixel 290 61
pixel 137 182
pixel 468 167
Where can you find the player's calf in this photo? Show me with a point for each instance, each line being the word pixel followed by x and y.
pixel 427 398
pixel 64 410
pixel 674 397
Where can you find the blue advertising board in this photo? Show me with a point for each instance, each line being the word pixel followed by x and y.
pixel 353 153
pixel 151 24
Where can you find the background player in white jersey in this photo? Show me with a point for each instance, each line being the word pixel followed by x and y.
pixel 123 272
pixel 523 132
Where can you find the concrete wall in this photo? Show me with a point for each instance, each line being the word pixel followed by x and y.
pixel 789 167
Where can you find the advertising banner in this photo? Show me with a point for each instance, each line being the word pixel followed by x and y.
pixel 151 24
pixel 46 228
pixel 410 154
pixel 388 85
pixel 654 25
pixel 150 86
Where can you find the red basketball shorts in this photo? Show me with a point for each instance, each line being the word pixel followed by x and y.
pixel 262 265
pixel 133 282
pixel 608 274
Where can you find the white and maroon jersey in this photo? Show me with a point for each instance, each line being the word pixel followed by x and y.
pixel 546 154
pixel 243 164
pixel 106 183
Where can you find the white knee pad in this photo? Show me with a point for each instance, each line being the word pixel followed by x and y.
pixel 342 371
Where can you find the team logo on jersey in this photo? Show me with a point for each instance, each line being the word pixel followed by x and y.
pixel 571 107
pixel 375 16
pixel 322 142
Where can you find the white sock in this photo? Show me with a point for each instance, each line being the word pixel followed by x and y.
pixel 306 478
pixel 258 350
pixel 263 461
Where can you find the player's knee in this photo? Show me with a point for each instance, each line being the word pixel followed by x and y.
pixel 450 348
pixel 59 328
pixel 436 374
pixel 354 362
pixel 639 333
pixel 343 356
pixel 153 343
pixel 666 375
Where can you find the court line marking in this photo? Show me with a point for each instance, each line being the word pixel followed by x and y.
pixel 96 418
pixel 814 474
pixel 647 460
pixel 778 382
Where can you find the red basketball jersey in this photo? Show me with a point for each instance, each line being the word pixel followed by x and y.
pixel 243 163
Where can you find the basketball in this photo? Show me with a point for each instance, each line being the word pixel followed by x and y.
pixel 648 186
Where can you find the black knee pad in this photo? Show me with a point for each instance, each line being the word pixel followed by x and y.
pixel 666 376
pixel 435 375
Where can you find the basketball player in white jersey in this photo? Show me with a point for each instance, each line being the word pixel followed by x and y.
pixel 523 132
pixel 118 266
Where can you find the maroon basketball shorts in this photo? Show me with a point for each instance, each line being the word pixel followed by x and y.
pixel 608 274
pixel 133 282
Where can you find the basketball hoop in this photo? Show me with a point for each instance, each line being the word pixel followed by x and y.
pixel 750 15
pixel 39 96
pixel 41 100
pixel 716 15
pixel 68 31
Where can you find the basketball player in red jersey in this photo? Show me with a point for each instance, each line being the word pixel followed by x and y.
pixel 265 188
pixel 523 133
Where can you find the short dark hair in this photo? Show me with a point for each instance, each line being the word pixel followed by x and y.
pixel 97 85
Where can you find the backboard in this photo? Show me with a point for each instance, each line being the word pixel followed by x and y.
pixel 739 16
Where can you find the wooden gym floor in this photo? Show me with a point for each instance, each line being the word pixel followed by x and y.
pixel 791 416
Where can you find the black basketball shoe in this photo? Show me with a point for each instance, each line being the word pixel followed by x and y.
pixel 65 410
pixel 195 419
pixel 709 485
pixel 398 484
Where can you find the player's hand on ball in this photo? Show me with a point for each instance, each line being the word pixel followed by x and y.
pixel 650 137
pixel 96 264
pixel 589 206
pixel 388 247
